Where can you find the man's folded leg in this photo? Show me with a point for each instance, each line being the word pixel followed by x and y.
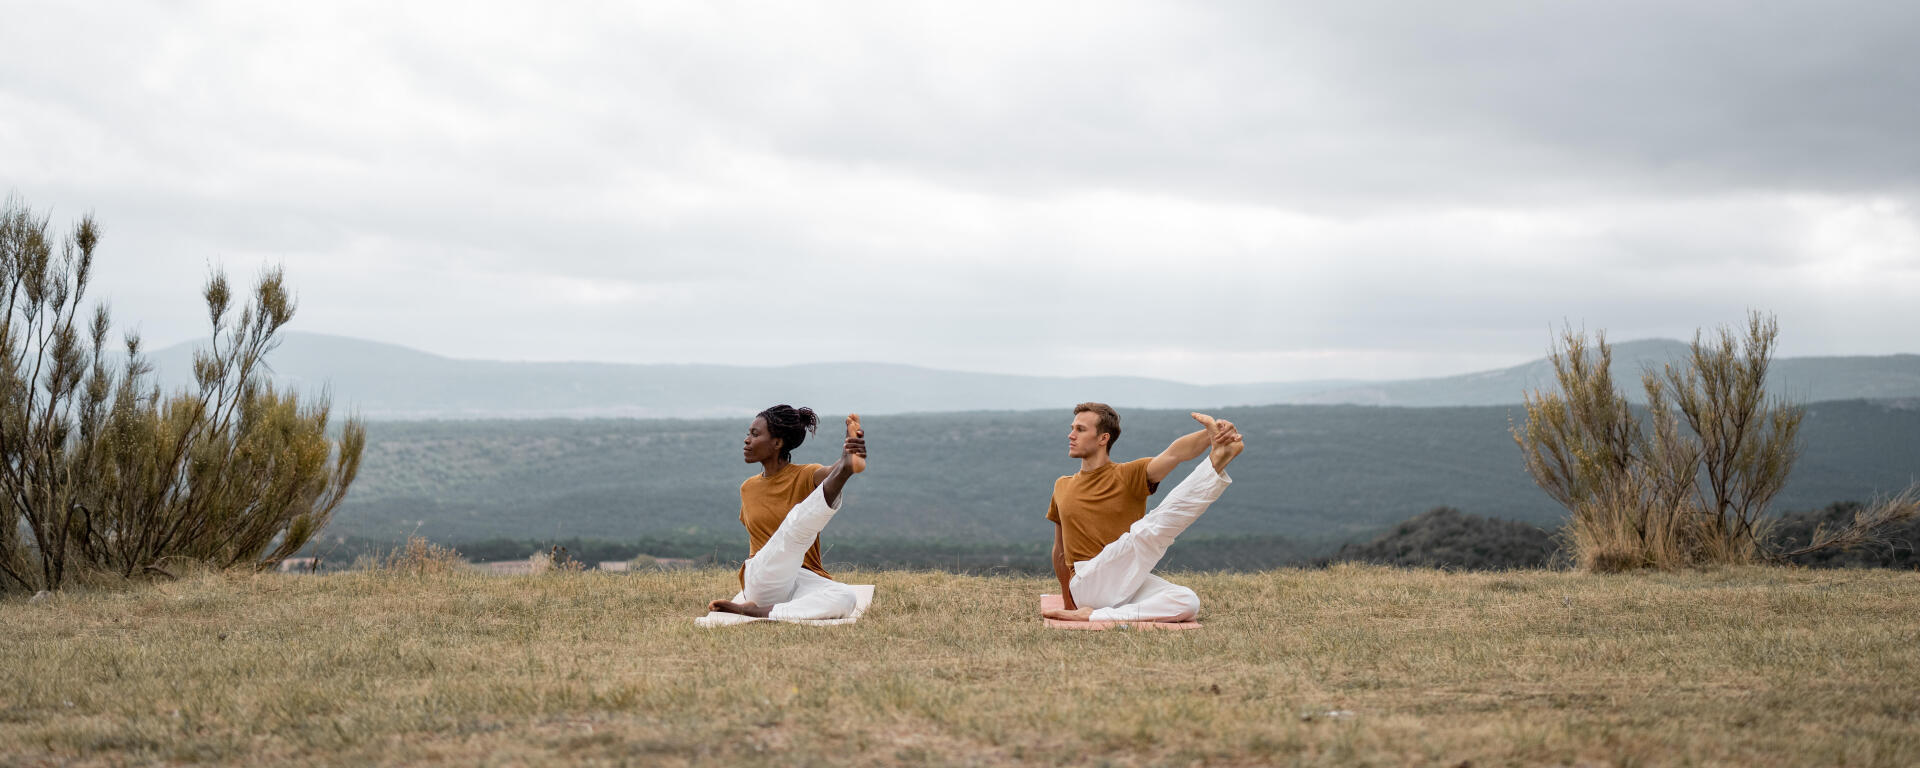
pixel 816 597
pixel 1156 600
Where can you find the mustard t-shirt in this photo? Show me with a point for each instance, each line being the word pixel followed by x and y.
pixel 1094 508
pixel 764 503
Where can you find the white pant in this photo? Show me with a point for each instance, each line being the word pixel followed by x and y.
pixel 1119 583
pixel 774 576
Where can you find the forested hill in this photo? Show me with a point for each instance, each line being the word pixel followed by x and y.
pixel 1322 473
pixel 383 381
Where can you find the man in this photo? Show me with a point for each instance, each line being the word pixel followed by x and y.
pixel 1105 543
pixel 784 507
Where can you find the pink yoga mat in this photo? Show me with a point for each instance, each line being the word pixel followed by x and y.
pixel 1051 602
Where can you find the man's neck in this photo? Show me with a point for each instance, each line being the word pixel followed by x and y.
pixel 1096 461
pixel 772 467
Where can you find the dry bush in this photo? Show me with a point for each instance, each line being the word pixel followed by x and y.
pixel 555 559
pixel 566 562
pixel 419 557
pixel 1867 527
pixel 1587 449
pixel 1689 485
pixel 105 473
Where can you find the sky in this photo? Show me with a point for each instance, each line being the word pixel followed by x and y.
pixel 1210 193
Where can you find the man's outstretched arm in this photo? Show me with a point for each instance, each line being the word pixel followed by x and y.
pixel 1184 448
pixel 1213 432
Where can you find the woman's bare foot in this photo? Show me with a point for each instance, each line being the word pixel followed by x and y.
pixel 744 609
pixel 1077 614
pixel 858 461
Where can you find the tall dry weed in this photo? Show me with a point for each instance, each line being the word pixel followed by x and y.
pixel 1867 527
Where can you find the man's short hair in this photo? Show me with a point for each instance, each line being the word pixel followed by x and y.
pixel 1108 422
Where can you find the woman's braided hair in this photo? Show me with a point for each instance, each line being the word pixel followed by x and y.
pixel 790 425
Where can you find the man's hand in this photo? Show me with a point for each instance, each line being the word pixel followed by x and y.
pixel 1224 439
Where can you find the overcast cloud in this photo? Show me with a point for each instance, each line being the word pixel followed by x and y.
pixel 1227 192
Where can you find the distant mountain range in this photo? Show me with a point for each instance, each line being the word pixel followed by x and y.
pixel 388 382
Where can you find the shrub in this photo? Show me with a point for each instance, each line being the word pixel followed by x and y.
pixel 554 560
pixel 564 561
pixel 1655 495
pixel 1444 538
pixel 104 473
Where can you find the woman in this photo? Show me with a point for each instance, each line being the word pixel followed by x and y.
pixel 784 508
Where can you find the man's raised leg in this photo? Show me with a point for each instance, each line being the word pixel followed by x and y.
pixel 1124 566
pixel 1118 584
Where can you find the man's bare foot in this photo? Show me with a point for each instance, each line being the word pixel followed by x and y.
pixel 1223 453
pixel 1077 614
pixel 1225 438
pixel 744 609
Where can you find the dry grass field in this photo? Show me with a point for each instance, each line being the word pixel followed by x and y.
pixel 1348 666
